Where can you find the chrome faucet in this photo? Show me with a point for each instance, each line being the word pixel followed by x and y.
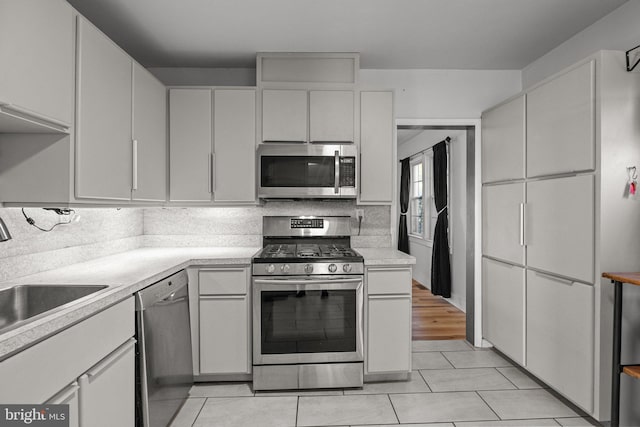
pixel 4 232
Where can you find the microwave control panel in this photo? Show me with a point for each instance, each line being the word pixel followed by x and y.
pixel 347 171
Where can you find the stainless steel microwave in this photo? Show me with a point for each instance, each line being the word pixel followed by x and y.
pixel 304 171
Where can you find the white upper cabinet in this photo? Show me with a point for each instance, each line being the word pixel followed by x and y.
pixel 149 137
pixel 503 222
pixel 560 226
pixel 284 115
pixel 234 139
pixel 37 52
pixel 331 116
pixel 376 147
pixel 103 140
pixel 190 156
pixel 503 133
pixel 561 123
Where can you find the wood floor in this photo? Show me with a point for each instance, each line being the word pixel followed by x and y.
pixel 434 318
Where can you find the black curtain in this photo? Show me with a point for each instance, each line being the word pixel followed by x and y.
pixel 403 236
pixel 440 263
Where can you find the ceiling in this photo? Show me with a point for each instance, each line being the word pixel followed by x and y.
pixel 391 34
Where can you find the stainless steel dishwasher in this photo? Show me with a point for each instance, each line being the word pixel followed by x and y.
pixel 164 368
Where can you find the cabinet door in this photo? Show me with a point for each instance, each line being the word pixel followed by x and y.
pixel 68 396
pixel 503 307
pixel 503 132
pixel 284 115
pixel 107 391
pixel 190 159
pixel 331 116
pixel 376 147
pixel 37 51
pixel 560 225
pixel 561 124
pixel 503 222
pixel 149 136
pixel 560 321
pixel 388 334
pixel 234 127
pixel 103 143
pixel 224 335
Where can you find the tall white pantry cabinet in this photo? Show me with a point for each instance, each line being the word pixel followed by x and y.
pixel 556 215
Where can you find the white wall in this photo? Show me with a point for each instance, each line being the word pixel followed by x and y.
pixel 192 76
pixel 434 94
pixel 619 30
pixel 422 249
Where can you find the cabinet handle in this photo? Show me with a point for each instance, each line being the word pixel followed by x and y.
pixel 336 188
pixel 209 169
pixel 112 358
pixel 135 164
pixel 213 172
pixel 358 168
pixel 562 280
pixel 522 243
pixel 65 394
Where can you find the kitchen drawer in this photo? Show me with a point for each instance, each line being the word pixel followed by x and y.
pixel 388 280
pixel 59 360
pixel 223 281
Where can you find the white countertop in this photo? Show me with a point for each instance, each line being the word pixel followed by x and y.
pixel 385 256
pixel 127 273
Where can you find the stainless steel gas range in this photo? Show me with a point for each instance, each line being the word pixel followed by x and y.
pixel 307 305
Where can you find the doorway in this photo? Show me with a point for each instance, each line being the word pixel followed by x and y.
pixel 435 317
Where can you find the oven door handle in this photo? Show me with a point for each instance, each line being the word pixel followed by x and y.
pixel 303 282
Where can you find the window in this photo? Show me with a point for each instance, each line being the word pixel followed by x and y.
pixel 416 201
pixel 422 205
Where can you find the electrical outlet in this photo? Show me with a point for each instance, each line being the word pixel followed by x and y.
pixel 359 213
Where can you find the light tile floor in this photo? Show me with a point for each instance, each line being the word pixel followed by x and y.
pixel 453 385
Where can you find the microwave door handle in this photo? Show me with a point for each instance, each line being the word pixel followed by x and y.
pixel 336 189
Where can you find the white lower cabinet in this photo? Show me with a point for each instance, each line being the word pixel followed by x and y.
pixel 389 332
pixel 224 344
pixel 68 396
pixel 503 314
pixel 560 322
pixel 107 390
pixel 388 320
pixel 221 318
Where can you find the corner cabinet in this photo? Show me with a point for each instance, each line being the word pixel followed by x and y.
pixel 387 321
pixel 121 124
pixel 103 138
pixel 556 214
pixel 212 146
pixel 220 321
pixel 376 147
pixel 149 137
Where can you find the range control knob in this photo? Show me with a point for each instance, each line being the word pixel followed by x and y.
pixel 271 268
pixel 308 268
pixel 346 268
pixel 285 268
pixel 333 268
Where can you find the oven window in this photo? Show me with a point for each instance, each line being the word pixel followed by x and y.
pixel 308 321
pixel 297 171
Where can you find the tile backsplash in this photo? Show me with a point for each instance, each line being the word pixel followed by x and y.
pixel 98 232
pixel 105 231
pixel 242 226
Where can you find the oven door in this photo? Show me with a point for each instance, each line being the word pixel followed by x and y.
pixel 307 320
pixel 307 171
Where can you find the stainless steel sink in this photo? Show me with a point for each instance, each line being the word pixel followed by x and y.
pixel 24 303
